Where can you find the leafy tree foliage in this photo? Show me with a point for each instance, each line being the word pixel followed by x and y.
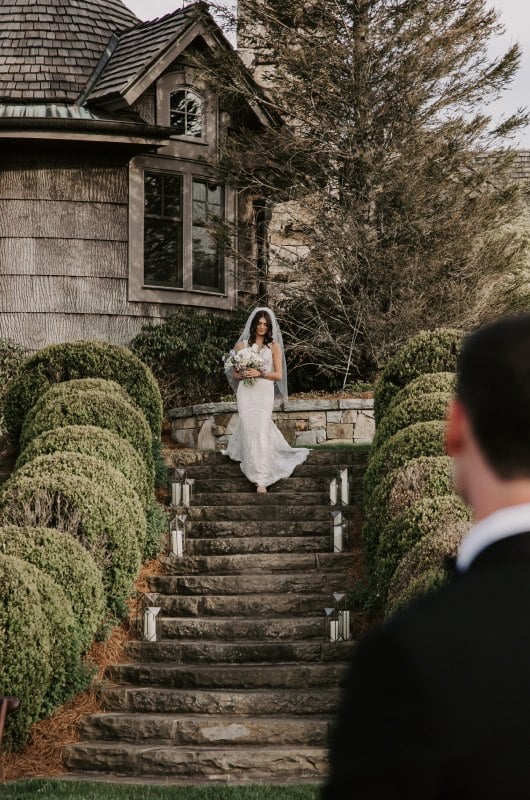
pixel 393 172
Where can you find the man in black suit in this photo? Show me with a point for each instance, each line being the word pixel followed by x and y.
pixel 437 700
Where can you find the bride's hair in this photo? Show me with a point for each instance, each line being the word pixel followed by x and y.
pixel 254 324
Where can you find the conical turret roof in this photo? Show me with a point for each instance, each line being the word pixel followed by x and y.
pixel 50 48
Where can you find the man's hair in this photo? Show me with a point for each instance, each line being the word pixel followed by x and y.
pixel 493 384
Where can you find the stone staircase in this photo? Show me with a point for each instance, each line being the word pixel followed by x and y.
pixel 242 684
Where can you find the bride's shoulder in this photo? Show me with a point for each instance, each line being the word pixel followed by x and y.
pixel 274 346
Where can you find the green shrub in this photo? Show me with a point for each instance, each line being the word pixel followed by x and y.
pixel 424 384
pixel 99 442
pixel 157 527
pixel 423 518
pixel 426 558
pixel 65 362
pixel 428 351
pixel 109 479
pixel 427 476
pixel 25 646
pixel 62 405
pixel 421 408
pixel 420 439
pixel 185 354
pixel 12 356
pixel 79 506
pixel 429 580
pixel 68 564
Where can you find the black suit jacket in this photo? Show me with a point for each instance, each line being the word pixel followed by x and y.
pixel 436 703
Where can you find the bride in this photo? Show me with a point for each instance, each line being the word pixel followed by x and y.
pixel 256 442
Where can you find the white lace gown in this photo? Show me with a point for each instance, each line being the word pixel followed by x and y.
pixel 257 443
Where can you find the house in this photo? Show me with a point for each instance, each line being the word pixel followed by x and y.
pixel 108 130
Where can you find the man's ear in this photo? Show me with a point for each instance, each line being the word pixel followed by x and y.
pixel 455 428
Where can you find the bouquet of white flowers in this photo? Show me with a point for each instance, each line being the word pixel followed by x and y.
pixel 246 358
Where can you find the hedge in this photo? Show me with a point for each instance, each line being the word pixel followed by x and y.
pixel 95 518
pixel 84 359
pixel 420 408
pixel 426 476
pixel 100 443
pixel 420 439
pixel 12 355
pixel 424 384
pixel 61 406
pixel 426 558
pixel 157 527
pixel 68 564
pixel 108 479
pixel 401 533
pixel 25 646
pixel 428 351
pixel 429 580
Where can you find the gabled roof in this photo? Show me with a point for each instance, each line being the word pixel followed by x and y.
pixel 136 50
pixel 50 48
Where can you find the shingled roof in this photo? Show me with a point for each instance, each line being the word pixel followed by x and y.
pixel 136 50
pixel 50 48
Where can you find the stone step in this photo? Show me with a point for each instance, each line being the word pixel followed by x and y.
pixel 238 483
pixel 230 676
pixel 253 499
pixel 190 628
pixel 311 583
pixel 196 529
pixel 231 470
pixel 222 763
pixel 249 564
pixel 200 701
pixel 259 512
pixel 248 605
pixel 204 652
pixel 205 729
pixel 317 457
pixel 269 544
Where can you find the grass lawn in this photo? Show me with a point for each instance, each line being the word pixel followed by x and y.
pixel 73 790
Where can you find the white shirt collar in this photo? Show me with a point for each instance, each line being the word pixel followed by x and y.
pixel 499 525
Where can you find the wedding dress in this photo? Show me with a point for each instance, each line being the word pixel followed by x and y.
pixel 257 443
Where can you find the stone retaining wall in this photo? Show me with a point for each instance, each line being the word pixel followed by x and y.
pixel 302 422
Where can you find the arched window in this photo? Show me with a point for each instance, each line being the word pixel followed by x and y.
pixel 186 113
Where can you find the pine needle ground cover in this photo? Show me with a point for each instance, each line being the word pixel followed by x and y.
pixel 66 790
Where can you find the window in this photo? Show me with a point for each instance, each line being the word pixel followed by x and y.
pixel 208 203
pixel 163 230
pixel 186 113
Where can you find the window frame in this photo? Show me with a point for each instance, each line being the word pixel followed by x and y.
pixel 190 137
pixel 140 291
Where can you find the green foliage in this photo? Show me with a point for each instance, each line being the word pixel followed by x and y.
pixel 99 442
pixel 109 480
pixel 62 405
pixel 185 353
pixel 426 383
pixel 420 439
pixel 160 468
pixel 419 408
pixel 421 519
pixel 65 362
pixel 25 646
pixel 12 355
pixel 427 352
pixel 97 519
pixel 67 562
pixel 423 562
pixel 157 527
pixel 429 580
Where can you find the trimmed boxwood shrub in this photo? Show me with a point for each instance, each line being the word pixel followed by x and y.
pixel 94 517
pixel 62 405
pixel 401 533
pixel 425 384
pixel 420 439
pixel 12 355
pixel 99 442
pixel 428 351
pixel 157 526
pixel 419 408
pixel 429 580
pixel 109 479
pixel 25 646
pixel 68 564
pixel 84 359
pixel 427 559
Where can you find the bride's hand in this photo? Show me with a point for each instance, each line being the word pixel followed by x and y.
pixel 252 373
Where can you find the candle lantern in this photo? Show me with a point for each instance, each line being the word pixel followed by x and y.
pixel 176 493
pixel 343 482
pixel 187 491
pixel 332 625
pixel 333 491
pixel 177 535
pixel 149 623
pixel 343 616
pixel 338 526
